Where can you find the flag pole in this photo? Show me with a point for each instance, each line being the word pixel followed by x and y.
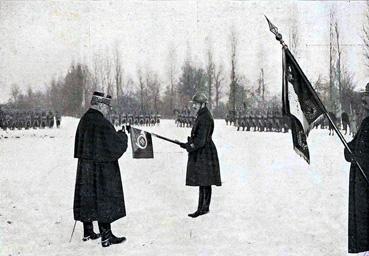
pixel 340 135
pixel 163 138
pixel 278 37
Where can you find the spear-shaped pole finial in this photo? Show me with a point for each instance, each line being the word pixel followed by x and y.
pixel 274 30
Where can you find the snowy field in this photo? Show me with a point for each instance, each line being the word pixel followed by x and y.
pixel 271 202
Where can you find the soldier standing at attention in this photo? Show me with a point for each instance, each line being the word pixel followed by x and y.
pixel 203 164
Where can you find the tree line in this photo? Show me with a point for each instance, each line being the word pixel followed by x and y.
pixel 228 90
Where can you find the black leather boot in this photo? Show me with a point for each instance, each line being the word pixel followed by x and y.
pixel 107 237
pixel 88 232
pixel 207 199
pixel 200 210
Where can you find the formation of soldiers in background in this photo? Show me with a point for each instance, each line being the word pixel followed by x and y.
pixel 253 121
pixel 267 122
pixel 10 119
pixel 344 123
pixel 248 122
pixel 276 122
pixel 119 119
pixel 184 118
pixel 13 119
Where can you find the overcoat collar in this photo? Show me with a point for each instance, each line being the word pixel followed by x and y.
pixel 92 110
pixel 202 111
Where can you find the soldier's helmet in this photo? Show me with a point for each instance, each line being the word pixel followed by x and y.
pixel 200 97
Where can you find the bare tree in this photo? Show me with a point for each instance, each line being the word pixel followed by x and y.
pixel 335 65
pixel 171 72
pixel 128 85
pixel 210 66
pixel 118 74
pixel 14 92
pixel 141 88
pixel 233 58
pixel 153 90
pixel 218 83
pixel 97 75
pixel 261 85
pixel 103 73
pixel 365 35
pixel 30 93
pixel 294 39
pixel 338 66
pixel 108 73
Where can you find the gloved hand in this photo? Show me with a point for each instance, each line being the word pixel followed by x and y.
pixel 183 145
pixel 122 134
pixel 189 147
pixel 128 128
pixel 349 157
pixel 123 130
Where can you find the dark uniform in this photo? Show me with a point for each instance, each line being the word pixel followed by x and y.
pixel 345 121
pixel 12 121
pixel 130 119
pixel 141 119
pixel 157 118
pixel 135 121
pixel 358 230
pixel 122 119
pixel 43 119
pixel 58 119
pixel 2 119
pixel 334 119
pixel 28 120
pixel 50 119
pixel 19 120
pixel 147 119
pixel 203 164
pixel 98 192
pixel 152 120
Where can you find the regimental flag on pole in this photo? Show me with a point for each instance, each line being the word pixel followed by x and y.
pixel 141 142
pixel 300 102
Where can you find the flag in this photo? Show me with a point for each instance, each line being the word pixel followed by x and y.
pixel 299 102
pixel 141 142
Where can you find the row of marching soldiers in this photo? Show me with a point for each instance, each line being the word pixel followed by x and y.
pixel 185 120
pixel 11 120
pixel 259 122
pixel 184 117
pixel 278 123
pixel 119 119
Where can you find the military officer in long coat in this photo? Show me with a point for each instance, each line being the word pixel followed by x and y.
pixel 358 224
pixel 203 164
pixel 98 191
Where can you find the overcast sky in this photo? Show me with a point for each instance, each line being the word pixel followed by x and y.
pixel 39 39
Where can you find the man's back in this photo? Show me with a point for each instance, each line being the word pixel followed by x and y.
pixel 96 138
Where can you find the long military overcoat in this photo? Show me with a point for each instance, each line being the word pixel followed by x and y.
pixel 98 190
pixel 358 229
pixel 203 163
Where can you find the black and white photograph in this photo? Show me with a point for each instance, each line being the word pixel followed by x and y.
pixel 184 127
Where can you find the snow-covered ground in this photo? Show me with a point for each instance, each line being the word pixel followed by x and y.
pixel 271 202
